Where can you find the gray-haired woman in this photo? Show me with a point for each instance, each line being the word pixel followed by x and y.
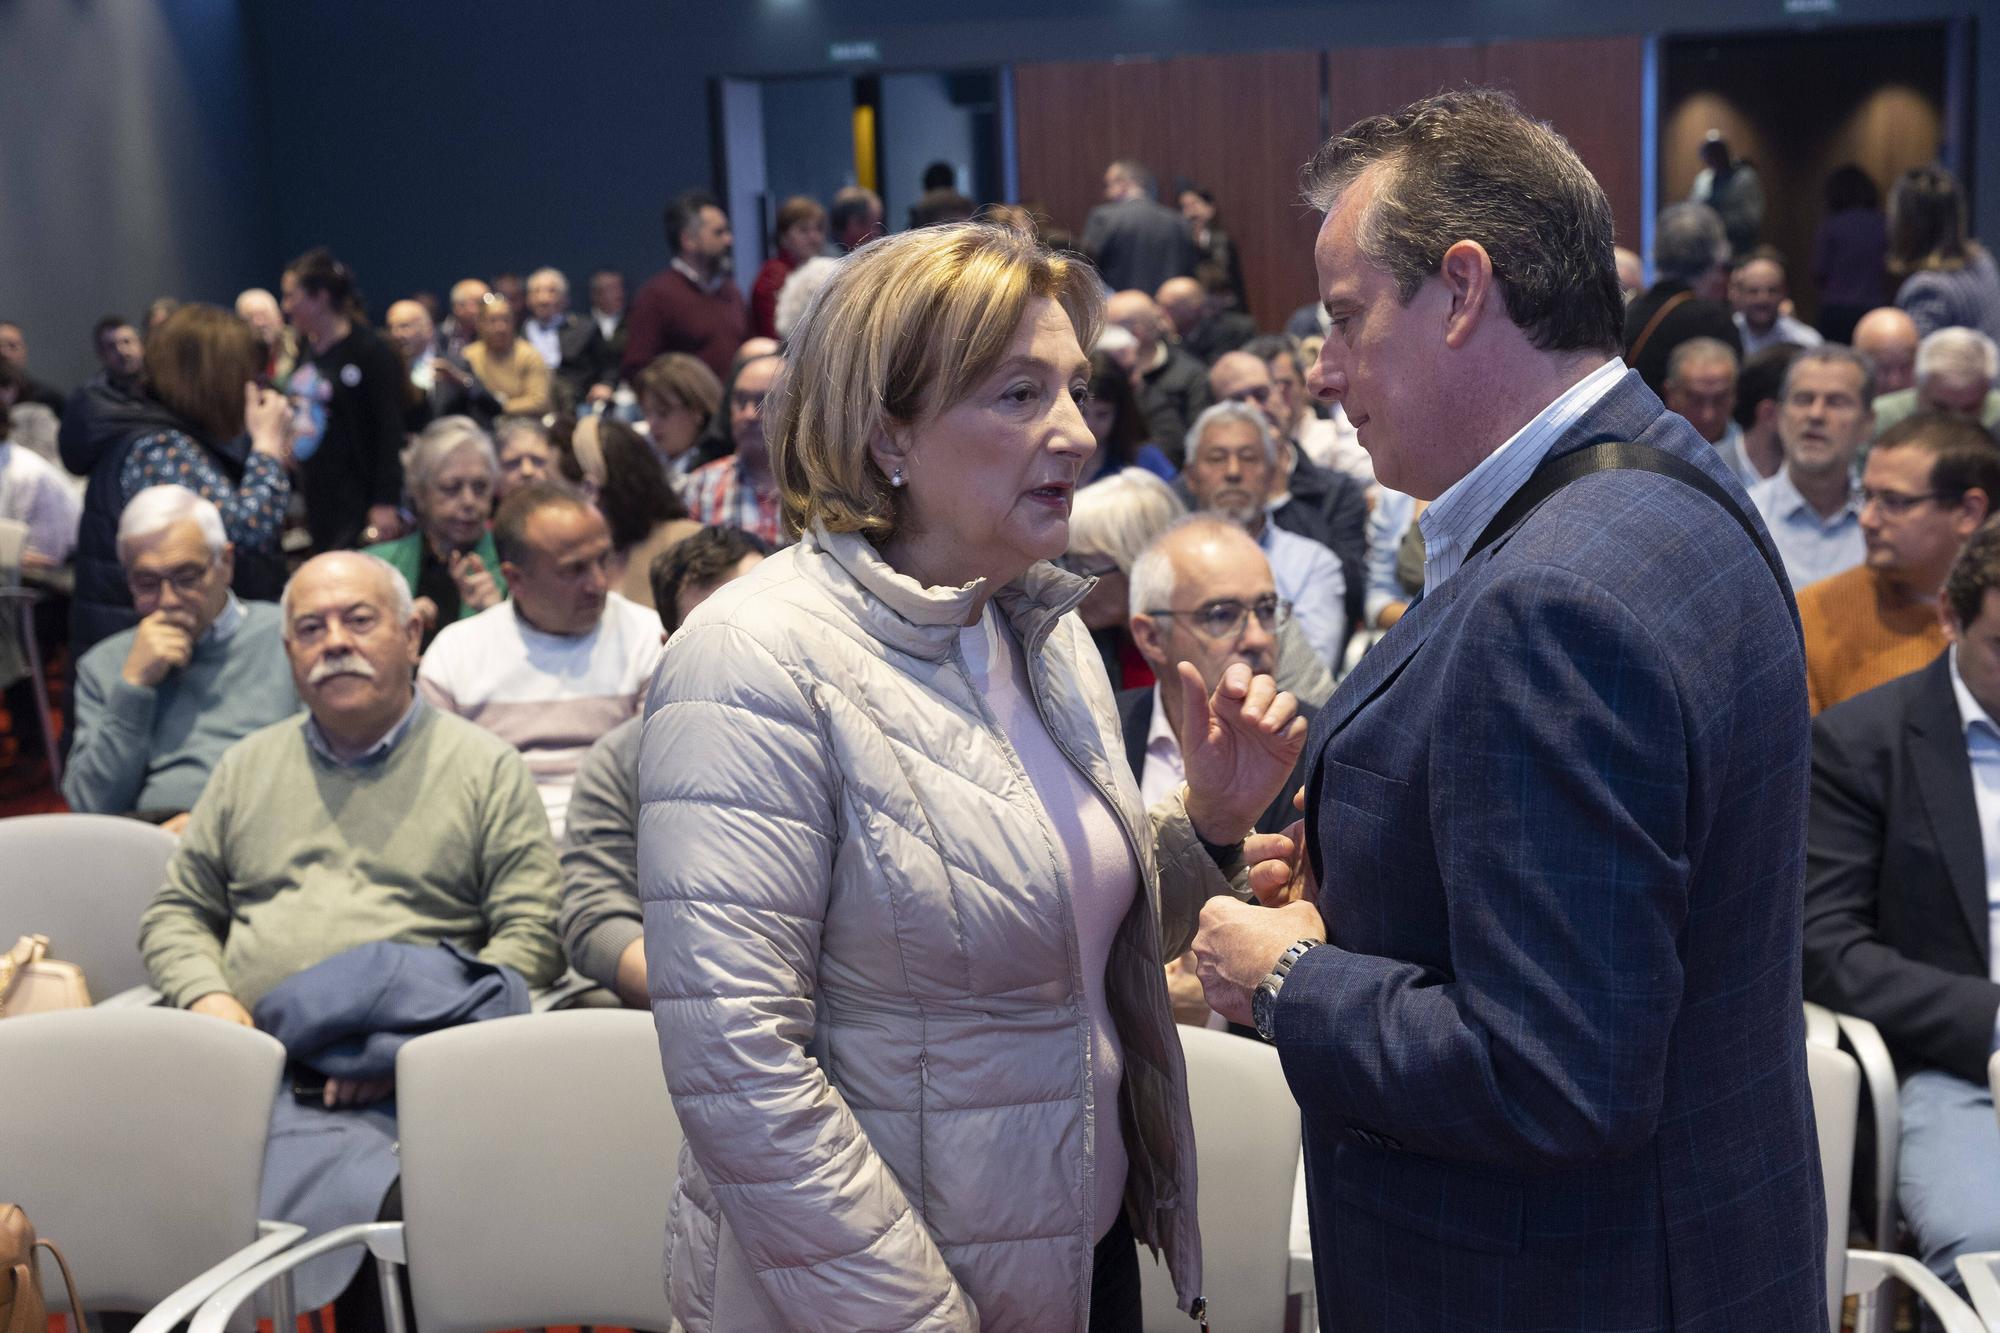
pixel 449 561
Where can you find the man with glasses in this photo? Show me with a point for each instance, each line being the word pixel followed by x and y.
pixel 1811 504
pixel 740 490
pixel 1233 459
pixel 157 704
pixel 1929 484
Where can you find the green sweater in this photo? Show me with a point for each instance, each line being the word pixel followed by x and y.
pixel 290 859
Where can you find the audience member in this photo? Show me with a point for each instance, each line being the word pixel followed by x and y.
pixel 1631 272
pixel 936 208
pixel 679 396
pixel 692 305
pixel 348 392
pixel 740 490
pixel 259 309
pixel 1850 254
pixel 33 490
pixel 1690 278
pixel 570 346
pixel 514 290
pixel 1212 243
pixel 448 560
pixel 157 704
pixel 1201 593
pixel 1757 294
pixel 1328 507
pixel 121 357
pixel 1730 185
pixel 1327 441
pixel 1135 240
pixel 526 454
pixel 14 352
pixel 795 297
pixel 1760 389
pixel 1812 505
pixel 640 506
pixel 1948 279
pixel 562 660
pixel 1929 484
pixel 509 369
pixel 1888 337
pixel 602 927
pixel 205 425
pixel 1110 522
pixel 1899 875
pixel 1233 464
pixel 1112 413
pixel 855 219
pixel 1172 386
pixel 1956 372
pixel 1395 558
pixel 1701 386
pixel 158 311
pixel 799 235
pixel 461 330
pixel 1204 314
pixel 607 312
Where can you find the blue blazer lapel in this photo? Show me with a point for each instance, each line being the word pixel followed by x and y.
pixel 1380 665
pixel 1935 736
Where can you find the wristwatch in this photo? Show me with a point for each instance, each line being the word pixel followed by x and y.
pixel 1264 1000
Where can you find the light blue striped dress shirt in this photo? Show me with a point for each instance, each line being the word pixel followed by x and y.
pixel 1813 548
pixel 1455 519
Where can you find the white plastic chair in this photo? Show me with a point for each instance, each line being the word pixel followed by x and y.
pixel 1860 1039
pixel 1836 1088
pixel 135 1140
pixel 1246 1132
pixel 83 881
pixel 538 1158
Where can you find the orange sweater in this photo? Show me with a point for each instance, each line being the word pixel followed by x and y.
pixel 1860 634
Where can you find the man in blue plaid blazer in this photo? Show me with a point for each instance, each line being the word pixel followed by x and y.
pixel 1543 1019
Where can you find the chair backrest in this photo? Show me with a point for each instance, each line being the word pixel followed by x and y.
pixel 1836 1095
pixel 83 881
pixel 1822 1028
pixel 135 1140
pixel 539 1159
pixel 1246 1132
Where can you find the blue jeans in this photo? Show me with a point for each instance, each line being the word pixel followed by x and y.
pixel 1948 1175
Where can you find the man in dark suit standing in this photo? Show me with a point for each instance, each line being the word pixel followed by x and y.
pixel 1134 239
pixel 1540 1003
pixel 1901 889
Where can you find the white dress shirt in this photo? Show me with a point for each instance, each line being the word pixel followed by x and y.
pixel 546 339
pixel 1163 773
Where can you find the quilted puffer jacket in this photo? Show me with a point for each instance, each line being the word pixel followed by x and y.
pixel 864 965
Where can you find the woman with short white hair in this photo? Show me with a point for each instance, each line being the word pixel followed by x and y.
pixel 906 916
pixel 449 561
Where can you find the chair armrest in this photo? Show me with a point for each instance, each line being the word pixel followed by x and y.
pixel 215 1312
pixel 183 1301
pixel 1878 1077
pixel 570 988
pixel 1982 1284
pixel 138 997
pixel 1822 1028
pixel 1868 1269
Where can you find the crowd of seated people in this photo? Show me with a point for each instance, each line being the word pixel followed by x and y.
pixel 369 618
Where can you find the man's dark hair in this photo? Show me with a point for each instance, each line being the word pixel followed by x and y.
pixel 636 496
pixel 318 271
pixel 1688 241
pixel 850 205
pixel 1762 380
pixel 1851 187
pixel 510 523
pixel 104 326
pixel 701 560
pixel 1975 573
pixel 940 176
pixel 937 207
pixel 1268 347
pixel 683 211
pixel 1472 166
pixel 1963 455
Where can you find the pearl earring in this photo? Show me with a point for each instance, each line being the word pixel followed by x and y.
pixel 896 477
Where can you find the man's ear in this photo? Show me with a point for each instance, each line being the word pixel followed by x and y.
pixel 509 571
pixel 1467 273
pixel 225 562
pixel 1146 638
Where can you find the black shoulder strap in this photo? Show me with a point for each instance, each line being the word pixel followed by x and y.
pixel 1611 456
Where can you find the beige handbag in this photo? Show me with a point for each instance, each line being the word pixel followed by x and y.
pixel 31 982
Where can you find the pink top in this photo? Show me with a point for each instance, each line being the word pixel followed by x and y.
pixel 1095 861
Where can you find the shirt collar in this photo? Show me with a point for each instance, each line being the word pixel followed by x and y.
pixel 1788 503
pixel 1456 518
pixel 225 625
pixel 322 747
pixel 693 275
pixel 1970 713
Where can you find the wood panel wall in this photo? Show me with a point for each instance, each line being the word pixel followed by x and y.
pixel 1242 125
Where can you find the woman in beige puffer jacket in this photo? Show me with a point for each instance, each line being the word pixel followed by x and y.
pixel 864 954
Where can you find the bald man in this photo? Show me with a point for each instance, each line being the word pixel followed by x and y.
pixel 1173 386
pixel 461 329
pixel 1888 337
pixel 259 309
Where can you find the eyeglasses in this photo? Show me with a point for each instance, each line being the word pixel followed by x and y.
pixel 1225 619
pixel 1894 503
pixel 1088 567
pixel 186 581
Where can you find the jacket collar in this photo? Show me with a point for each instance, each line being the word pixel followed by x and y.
pixel 925 621
pixel 1935 735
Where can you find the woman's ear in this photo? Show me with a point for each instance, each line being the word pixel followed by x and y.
pixel 890 448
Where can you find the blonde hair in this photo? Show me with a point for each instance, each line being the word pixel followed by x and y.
pixel 909 326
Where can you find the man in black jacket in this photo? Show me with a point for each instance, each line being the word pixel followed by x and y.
pixel 575 350
pixel 1173 386
pixel 1902 897
pixel 1691 278
pixel 1135 240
